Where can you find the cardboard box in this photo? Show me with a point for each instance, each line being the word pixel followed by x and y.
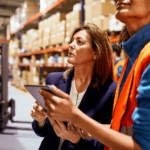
pixel 54 29
pixel 112 7
pixel 49 20
pixel 46 56
pixel 32 34
pixel 22 83
pixel 35 80
pixel 74 24
pixel 41 25
pixel 29 76
pixel 87 2
pixel 68 17
pixel 101 8
pixel 46 24
pixel 33 59
pixel 68 26
pixel 61 37
pixel 34 71
pixel 46 42
pixel 47 32
pixel 101 22
pixel 24 75
pixel 76 15
pixel 40 42
pixel 17 82
pixel 88 13
pixel 59 17
pixel 53 39
pixel 29 6
pixel 41 32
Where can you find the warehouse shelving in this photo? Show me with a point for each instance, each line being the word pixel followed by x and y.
pixel 59 5
pixel 64 6
pixel 62 65
pixel 54 49
pixel 4 41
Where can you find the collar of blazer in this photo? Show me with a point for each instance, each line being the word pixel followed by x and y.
pixel 89 96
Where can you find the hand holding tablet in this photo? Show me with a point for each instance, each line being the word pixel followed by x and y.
pixel 34 91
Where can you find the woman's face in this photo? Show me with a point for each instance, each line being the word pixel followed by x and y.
pixel 80 49
pixel 137 9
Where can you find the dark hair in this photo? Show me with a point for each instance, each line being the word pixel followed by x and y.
pixel 103 67
pixel 116 49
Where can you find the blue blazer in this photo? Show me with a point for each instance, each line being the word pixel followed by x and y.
pixel 96 104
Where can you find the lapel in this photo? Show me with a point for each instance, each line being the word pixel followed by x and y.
pixel 66 84
pixel 88 97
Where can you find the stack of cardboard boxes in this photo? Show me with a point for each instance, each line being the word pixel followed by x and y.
pixel 58 28
pixel 28 10
pixel 16 72
pixel 52 30
pixel 45 32
pixel 22 14
pixel 13 47
pixel 46 3
pixel 98 12
pixel 30 40
pixel 73 20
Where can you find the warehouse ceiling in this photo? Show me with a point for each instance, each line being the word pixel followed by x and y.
pixel 7 9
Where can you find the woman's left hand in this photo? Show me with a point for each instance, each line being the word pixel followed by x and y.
pixel 59 107
pixel 64 131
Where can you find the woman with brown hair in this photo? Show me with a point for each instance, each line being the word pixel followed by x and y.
pixel 89 84
pixel 130 125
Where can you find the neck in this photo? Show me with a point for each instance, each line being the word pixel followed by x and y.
pixel 84 72
pixel 134 27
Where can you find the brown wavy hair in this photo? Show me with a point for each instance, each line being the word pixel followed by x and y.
pixel 103 68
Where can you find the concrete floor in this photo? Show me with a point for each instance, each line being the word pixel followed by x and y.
pixel 20 136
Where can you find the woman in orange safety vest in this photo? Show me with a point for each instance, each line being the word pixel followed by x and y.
pixel 118 62
pixel 130 126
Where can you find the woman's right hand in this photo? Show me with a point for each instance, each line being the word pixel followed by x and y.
pixel 79 131
pixel 39 114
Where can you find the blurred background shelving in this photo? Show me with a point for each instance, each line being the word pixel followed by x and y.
pixel 39 32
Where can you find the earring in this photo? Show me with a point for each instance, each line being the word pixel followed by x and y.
pixel 94 57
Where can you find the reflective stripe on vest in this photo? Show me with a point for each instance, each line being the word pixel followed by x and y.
pixel 119 63
pixel 122 114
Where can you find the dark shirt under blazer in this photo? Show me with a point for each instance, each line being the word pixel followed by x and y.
pixel 96 104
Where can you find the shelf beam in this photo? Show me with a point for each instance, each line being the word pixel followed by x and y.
pixel 6 12
pixel 53 65
pixel 55 49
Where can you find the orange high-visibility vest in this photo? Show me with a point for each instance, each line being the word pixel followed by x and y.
pixel 126 103
pixel 119 63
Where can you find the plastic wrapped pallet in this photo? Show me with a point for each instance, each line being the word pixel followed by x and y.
pixel 114 24
pixel 46 3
